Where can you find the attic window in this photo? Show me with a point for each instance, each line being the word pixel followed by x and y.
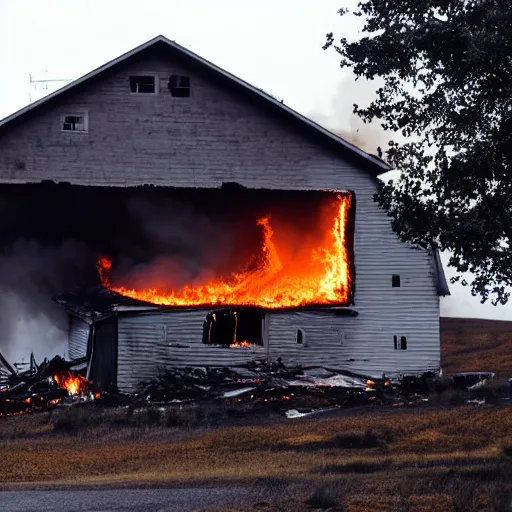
pixel 300 337
pixel 74 122
pixel 395 281
pixel 143 84
pixel 179 86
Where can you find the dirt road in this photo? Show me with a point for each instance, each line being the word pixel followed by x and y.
pixel 120 500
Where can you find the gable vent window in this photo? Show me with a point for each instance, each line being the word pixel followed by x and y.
pixel 143 84
pixel 300 337
pixel 395 281
pixel 179 86
pixel 74 122
pixel 400 342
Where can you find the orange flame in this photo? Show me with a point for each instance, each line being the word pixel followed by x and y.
pixel 75 384
pixel 240 344
pixel 104 265
pixel 318 275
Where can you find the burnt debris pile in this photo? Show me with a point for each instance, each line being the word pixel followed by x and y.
pixel 31 387
pixel 293 391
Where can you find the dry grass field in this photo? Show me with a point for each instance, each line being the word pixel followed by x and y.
pixel 449 455
pixel 469 344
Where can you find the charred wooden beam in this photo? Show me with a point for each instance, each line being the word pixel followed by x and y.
pixel 6 365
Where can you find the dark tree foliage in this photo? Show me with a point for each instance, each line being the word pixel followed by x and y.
pixel 446 66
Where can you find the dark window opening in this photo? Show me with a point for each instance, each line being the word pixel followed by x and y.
pixel 74 124
pixel 142 84
pixel 403 343
pixel 241 327
pixel 395 281
pixel 179 86
pixel 300 337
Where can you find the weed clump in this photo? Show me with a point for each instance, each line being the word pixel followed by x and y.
pixel 323 498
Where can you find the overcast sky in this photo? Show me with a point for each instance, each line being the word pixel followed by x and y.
pixel 275 45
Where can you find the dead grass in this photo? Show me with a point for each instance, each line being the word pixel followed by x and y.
pixel 416 460
pixel 34 449
pixel 469 344
pixel 452 495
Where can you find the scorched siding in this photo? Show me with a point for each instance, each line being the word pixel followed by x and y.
pixel 172 338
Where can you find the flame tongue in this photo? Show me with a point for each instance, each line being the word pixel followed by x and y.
pixel 240 344
pixel 315 275
pixel 75 384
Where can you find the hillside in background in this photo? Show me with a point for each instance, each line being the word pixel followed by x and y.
pixel 471 344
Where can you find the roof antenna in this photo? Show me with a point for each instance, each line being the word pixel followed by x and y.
pixel 43 84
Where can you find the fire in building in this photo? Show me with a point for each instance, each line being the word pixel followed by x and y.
pixel 212 225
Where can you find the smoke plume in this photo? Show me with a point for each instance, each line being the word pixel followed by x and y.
pixel 342 121
pixel 30 274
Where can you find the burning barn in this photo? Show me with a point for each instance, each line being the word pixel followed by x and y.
pixel 196 221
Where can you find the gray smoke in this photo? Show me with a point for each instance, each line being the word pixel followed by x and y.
pixel 342 121
pixel 30 274
pixel 186 247
pixel 156 239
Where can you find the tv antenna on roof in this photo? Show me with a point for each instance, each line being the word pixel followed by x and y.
pixel 43 84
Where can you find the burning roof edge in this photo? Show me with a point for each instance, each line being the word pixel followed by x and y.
pixel 372 163
pixel 98 303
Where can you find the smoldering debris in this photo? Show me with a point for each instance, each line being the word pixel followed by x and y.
pixel 260 385
pixel 43 386
pixel 279 388
pixel 271 385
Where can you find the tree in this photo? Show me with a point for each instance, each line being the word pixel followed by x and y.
pixel 446 68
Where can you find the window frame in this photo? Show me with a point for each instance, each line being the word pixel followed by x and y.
pixel 76 113
pixel 157 84
pixel 396 281
pixel 180 87
pixel 303 336
pixel 400 342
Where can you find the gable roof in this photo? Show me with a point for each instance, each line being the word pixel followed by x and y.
pixel 370 162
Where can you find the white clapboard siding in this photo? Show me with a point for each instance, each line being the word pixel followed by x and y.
pixel 78 337
pixel 151 341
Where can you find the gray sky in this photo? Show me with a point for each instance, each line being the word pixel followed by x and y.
pixel 275 45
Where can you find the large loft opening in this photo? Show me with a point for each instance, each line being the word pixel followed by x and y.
pixel 186 247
